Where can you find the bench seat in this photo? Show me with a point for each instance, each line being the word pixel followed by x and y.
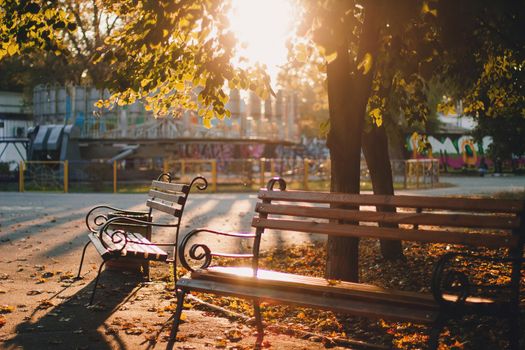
pixel 353 298
pixel 358 299
pixel 145 251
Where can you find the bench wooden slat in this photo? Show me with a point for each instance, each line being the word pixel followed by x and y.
pixel 170 197
pixel 334 303
pixel 460 204
pixel 136 249
pixel 266 278
pixel 151 252
pixel 276 279
pixel 447 219
pixel 170 187
pixel 163 207
pixel 429 236
pixel 104 253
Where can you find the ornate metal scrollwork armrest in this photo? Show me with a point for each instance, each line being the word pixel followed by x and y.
pixel 166 176
pixel 276 180
pixel 201 251
pixel 446 281
pixel 200 182
pixel 94 221
pixel 118 240
pixel 121 235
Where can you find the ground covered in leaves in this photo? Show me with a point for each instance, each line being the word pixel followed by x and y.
pixel 412 274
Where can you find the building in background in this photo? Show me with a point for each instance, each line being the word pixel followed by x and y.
pixel 131 131
pixel 15 120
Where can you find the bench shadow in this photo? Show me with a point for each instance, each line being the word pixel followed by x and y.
pixel 66 321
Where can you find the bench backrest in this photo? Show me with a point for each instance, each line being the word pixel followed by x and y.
pixel 491 223
pixel 170 198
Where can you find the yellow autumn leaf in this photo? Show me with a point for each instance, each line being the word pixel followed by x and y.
pixel 375 113
pixel 179 86
pixel 12 48
pixel 145 82
pixel 224 98
pixel 331 57
pixel 377 116
pixel 366 63
pixel 207 123
pixel 426 9
pixel 333 282
pixel 5 309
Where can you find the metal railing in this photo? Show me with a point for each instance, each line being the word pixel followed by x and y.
pixel 124 175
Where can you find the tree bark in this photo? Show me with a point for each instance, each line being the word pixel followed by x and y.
pixel 348 93
pixel 375 149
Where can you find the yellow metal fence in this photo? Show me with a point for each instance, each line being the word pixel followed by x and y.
pixel 118 176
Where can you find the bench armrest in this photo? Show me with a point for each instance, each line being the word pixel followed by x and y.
pixel 200 251
pixel 119 237
pixel 99 215
pixel 451 286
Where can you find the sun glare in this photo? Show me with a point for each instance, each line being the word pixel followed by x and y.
pixel 262 27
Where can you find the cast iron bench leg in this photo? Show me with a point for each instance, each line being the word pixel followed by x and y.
pixel 96 283
pixel 82 258
pixel 435 332
pixel 258 323
pixel 514 331
pixel 258 320
pixel 178 313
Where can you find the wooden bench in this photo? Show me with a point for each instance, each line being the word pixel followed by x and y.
pixel 466 224
pixel 125 235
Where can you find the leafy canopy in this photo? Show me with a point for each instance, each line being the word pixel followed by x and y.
pixel 31 24
pixel 176 55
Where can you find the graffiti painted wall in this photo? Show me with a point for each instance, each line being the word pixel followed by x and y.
pixel 229 151
pixel 456 151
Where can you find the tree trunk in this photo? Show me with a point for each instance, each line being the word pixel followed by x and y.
pixel 348 93
pixel 375 148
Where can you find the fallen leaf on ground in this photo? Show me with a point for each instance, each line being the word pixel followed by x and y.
pixel 234 335
pixel 6 309
pixel 45 304
pixel 35 292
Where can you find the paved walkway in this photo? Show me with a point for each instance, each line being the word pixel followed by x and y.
pixel 41 237
pixel 468 185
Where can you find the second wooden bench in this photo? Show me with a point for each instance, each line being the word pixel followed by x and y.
pixel 464 223
pixel 124 235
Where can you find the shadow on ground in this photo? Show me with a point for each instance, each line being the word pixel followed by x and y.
pixel 67 321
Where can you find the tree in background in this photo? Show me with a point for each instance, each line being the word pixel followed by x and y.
pixel 488 72
pixel 54 44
